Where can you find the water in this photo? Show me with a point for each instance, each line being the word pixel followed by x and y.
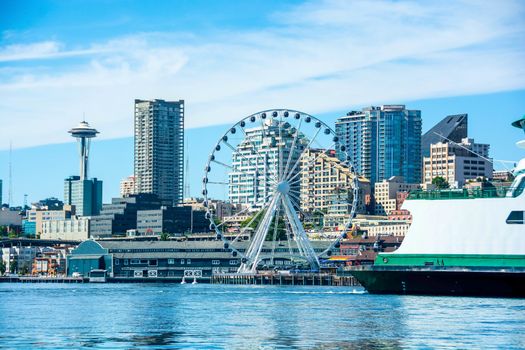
pixel 202 316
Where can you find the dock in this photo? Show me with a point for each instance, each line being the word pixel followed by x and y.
pixel 32 279
pixel 293 279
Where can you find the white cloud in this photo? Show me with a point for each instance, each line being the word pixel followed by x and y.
pixel 318 57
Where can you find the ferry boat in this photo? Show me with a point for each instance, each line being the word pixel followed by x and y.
pixel 461 242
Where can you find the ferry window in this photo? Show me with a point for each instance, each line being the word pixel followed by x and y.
pixel 182 261
pixel 515 217
pixel 135 261
pixel 216 262
pixel 519 188
pixel 117 261
pixel 171 261
pixel 153 262
pixel 188 261
pixel 126 261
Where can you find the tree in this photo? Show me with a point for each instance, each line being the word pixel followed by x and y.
pixel 440 182
pixel 12 266
pixel 12 234
pixel 164 236
pixel 3 267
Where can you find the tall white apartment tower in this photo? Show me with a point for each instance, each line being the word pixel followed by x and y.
pixel 159 148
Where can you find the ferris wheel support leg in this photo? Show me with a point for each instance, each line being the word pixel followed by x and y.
pixel 300 235
pixel 258 239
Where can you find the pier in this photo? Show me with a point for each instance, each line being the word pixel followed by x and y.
pixel 32 279
pixel 295 279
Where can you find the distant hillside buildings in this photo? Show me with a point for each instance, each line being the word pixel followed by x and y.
pixel 128 186
pixel 159 148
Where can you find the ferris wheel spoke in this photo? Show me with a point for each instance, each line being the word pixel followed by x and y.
pixel 292 148
pixel 290 173
pixel 275 230
pixel 248 208
pixel 223 164
pixel 235 152
pixel 311 162
pixel 296 202
pixel 280 146
pixel 254 250
pixel 300 234
pixel 217 183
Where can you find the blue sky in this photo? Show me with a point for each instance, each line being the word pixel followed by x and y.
pixel 60 60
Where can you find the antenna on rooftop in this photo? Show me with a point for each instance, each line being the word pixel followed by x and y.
pixel 186 171
pixel 491 161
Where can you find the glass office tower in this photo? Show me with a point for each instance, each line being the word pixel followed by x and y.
pixel 383 142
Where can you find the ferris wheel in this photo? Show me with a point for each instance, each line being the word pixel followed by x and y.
pixel 273 170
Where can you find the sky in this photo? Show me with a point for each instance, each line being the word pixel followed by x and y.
pixel 62 61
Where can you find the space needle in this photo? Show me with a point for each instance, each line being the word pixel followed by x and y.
pixel 83 133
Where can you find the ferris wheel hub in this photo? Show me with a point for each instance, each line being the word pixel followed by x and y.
pixel 283 187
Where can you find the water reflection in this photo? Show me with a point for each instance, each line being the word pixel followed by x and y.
pixel 246 317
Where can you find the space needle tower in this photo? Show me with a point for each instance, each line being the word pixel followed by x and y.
pixel 83 133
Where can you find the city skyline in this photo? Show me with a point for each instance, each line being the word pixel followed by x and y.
pixel 112 160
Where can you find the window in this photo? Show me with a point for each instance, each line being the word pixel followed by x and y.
pixel 188 261
pixel 182 261
pixel 515 217
pixel 519 188
pixel 234 262
pixel 135 261
pixel 117 261
pixel 126 261
pixel 171 261
pixel 153 262
pixel 215 262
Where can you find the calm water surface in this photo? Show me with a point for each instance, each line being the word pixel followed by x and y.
pixel 202 316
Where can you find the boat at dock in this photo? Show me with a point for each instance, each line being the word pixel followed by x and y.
pixel 461 242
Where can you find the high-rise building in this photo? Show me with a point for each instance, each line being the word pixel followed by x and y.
pixel 127 186
pixel 383 142
pixel 85 195
pixel 159 148
pixel 255 164
pixel 457 162
pixel 452 127
pixel 80 191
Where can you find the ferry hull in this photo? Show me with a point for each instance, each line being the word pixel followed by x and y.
pixel 463 282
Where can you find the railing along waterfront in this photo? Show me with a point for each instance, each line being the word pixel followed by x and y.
pixel 465 193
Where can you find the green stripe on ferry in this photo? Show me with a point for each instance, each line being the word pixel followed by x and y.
pixel 384 259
